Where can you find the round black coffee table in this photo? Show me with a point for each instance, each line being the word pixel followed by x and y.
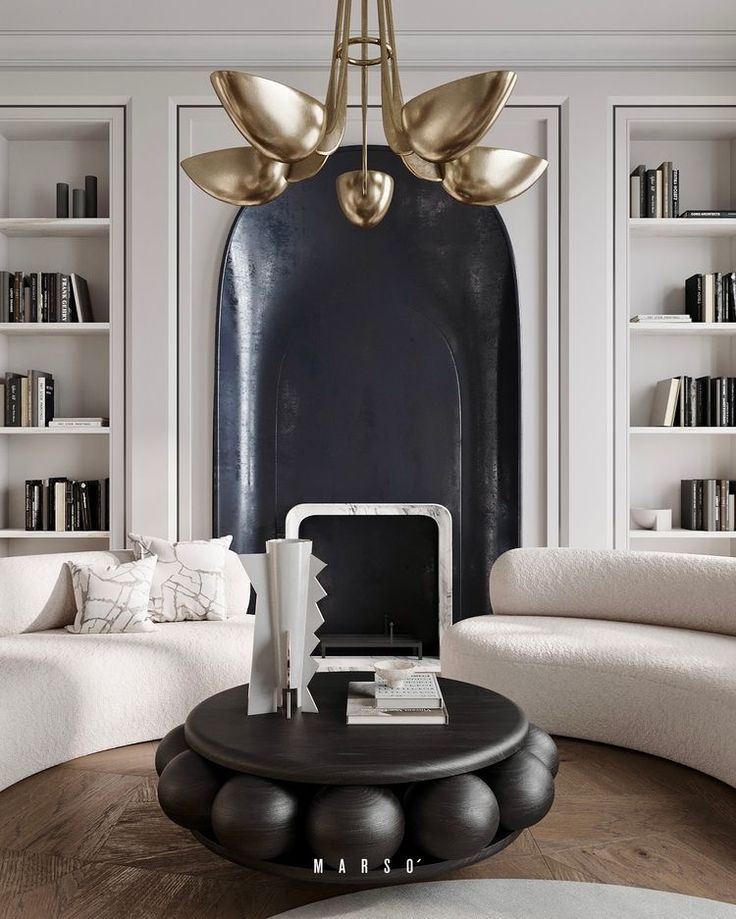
pixel 316 799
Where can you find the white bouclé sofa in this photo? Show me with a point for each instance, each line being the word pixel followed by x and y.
pixel 65 695
pixel 636 649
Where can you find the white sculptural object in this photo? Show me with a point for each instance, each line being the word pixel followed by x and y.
pixel 287 616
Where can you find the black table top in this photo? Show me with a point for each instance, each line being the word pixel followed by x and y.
pixel 484 728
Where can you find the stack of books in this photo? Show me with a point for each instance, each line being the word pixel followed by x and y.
pixel 418 701
pixel 688 402
pixel 711 297
pixel 655 192
pixel 27 400
pixel 44 296
pixel 63 505
pixel 708 504
pixel 79 422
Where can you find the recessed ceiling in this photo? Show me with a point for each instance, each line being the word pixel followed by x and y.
pixel 411 15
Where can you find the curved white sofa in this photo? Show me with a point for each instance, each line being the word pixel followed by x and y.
pixel 65 695
pixel 636 649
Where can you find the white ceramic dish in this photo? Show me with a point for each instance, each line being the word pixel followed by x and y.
pixel 651 518
pixel 394 671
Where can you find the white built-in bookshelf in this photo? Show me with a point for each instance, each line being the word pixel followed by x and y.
pixel 653 257
pixel 40 146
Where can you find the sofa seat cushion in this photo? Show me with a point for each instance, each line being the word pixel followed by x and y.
pixel 666 691
pixel 67 695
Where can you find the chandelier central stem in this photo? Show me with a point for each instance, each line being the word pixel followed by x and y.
pixel 364 89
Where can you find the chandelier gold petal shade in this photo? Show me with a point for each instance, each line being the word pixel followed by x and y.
pixel 488 176
pixel 306 169
pixel 435 135
pixel 422 169
pixel 447 121
pixel 365 197
pixel 238 175
pixel 283 123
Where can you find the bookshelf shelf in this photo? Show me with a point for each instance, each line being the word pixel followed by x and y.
pixel 683 328
pixel 682 534
pixel 682 226
pixel 53 431
pixel 53 534
pixel 688 431
pixel 54 226
pixel 61 329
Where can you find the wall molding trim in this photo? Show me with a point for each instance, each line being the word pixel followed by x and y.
pixel 420 50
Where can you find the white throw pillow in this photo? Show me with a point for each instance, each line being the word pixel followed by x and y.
pixel 189 581
pixel 112 598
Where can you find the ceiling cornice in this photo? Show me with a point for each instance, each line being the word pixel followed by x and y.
pixel 462 50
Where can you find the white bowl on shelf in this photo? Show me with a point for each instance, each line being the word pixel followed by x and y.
pixel 394 671
pixel 651 518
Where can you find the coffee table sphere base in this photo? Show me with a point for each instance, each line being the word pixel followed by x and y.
pixel 346 832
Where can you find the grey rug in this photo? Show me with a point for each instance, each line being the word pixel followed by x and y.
pixel 496 899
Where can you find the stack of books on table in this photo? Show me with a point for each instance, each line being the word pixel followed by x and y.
pixel 79 423
pixel 418 701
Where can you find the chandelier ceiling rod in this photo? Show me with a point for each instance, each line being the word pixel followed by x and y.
pixel 436 134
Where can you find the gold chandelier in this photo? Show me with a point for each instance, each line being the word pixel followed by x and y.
pixel 292 134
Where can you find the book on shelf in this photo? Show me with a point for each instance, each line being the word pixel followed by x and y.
pixel 662 317
pixel 362 709
pixel 727 214
pixel 654 192
pixel 711 297
pixel 420 690
pixel 66 505
pixel 708 402
pixel 708 504
pixel 28 400
pixel 42 296
pixel 81 422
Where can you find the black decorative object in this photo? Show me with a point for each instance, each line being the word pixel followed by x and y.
pixel 255 817
pixel 170 746
pixel 354 822
pixel 543 747
pixel 406 389
pixel 524 788
pixel 62 199
pixel 186 790
pixel 282 796
pixel 90 196
pixel 453 817
pixel 78 202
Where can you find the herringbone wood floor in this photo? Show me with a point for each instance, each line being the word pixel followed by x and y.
pixel 86 840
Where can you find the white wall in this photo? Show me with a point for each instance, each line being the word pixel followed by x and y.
pixel 586 97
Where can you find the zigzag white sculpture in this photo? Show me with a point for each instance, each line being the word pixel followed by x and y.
pixel 287 617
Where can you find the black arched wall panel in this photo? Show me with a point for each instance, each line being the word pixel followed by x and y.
pixel 370 366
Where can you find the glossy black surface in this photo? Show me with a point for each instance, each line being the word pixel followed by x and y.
pixel 370 366
pixel 484 728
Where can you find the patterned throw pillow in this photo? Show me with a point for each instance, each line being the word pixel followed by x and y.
pixel 189 581
pixel 112 598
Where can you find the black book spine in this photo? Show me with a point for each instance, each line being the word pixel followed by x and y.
pixel 689 504
pixel 29 506
pixel 731 401
pixel 84 508
pixel 675 192
pixel 692 390
pixel 34 297
pixel 651 184
pixel 700 512
pixel 12 400
pixel 90 196
pixel 718 295
pixel 50 388
pixel 69 510
pixel 44 297
pixel 724 402
pixel 731 276
pixel 694 297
